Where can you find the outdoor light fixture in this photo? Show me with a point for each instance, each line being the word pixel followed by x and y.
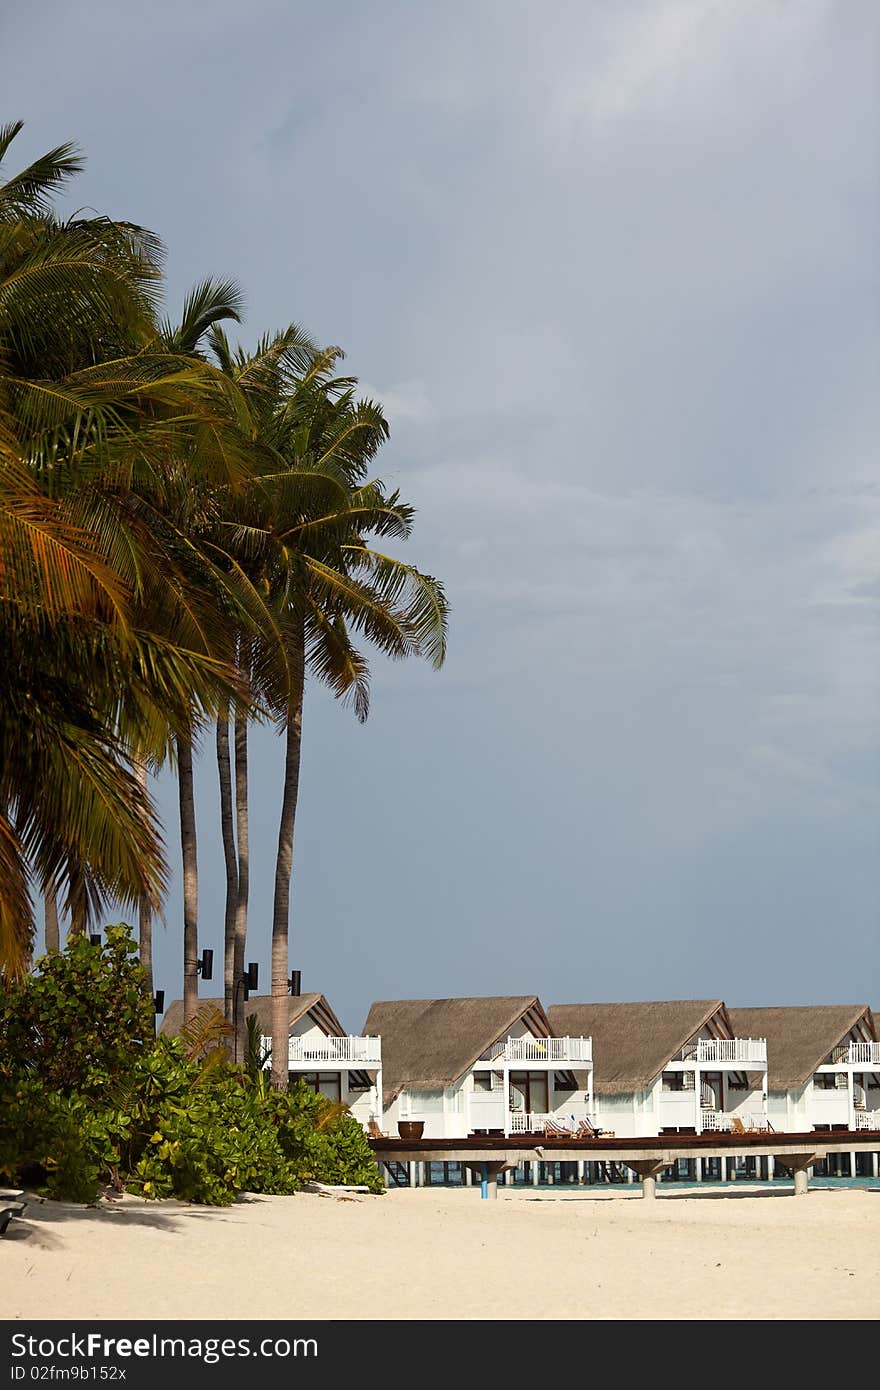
pixel 205 967
pixel 294 983
pixel 94 938
pixel 250 979
pixel 159 1002
pixel 243 985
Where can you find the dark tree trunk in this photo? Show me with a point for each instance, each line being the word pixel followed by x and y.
pixel 283 870
pixel 228 833
pixel 190 876
pixel 145 912
pixel 241 826
pixel 53 931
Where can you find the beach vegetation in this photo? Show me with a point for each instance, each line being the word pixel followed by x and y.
pixel 115 1109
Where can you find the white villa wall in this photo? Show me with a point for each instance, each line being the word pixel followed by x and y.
pixel 306 1027
pixel 618 1113
pixel 749 1102
pixel 827 1107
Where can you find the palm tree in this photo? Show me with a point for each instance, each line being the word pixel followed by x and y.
pixel 106 607
pixel 315 519
pixel 261 377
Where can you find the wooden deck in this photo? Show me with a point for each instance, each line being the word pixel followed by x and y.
pixel 647 1155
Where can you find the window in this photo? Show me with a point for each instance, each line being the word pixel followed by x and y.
pixel 528 1091
pixel 323 1083
pixel 482 1081
pixel 824 1081
pixel 673 1081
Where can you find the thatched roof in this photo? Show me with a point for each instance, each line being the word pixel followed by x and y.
pixel 799 1037
pixel 428 1044
pixel 632 1043
pixel 261 1005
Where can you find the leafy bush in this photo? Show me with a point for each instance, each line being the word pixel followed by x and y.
pixel 83 1019
pixel 88 1097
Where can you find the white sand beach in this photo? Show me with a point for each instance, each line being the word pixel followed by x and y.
pixel 436 1253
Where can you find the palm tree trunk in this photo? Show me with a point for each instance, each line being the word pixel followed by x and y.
pixel 53 933
pixel 283 869
pixel 76 898
pixel 145 912
pixel 228 834
pixel 190 876
pixel 241 825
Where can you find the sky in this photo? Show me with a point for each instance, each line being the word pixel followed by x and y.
pixel 613 271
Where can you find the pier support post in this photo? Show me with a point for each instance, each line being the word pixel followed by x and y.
pixel 488 1177
pixel 800 1165
pixel 647 1169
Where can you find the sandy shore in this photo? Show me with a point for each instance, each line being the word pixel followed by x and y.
pixel 436 1253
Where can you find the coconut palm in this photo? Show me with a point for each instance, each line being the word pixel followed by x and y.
pixel 308 527
pixel 96 414
pixel 262 376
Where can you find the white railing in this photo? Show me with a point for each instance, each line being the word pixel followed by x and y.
pixel 350 1051
pixel 528 1122
pixel 867 1119
pixel 721 1121
pixel 562 1051
pixel 866 1054
pixel 726 1050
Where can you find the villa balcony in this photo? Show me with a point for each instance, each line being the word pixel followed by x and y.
pixel 305 1054
pixel 723 1123
pixel 867 1119
pixel 526 1122
pixel 727 1052
pixel 536 1052
pixel 861 1054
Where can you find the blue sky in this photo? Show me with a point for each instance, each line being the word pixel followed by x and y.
pixel 613 271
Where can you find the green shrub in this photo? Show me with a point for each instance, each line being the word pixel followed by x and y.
pixel 88 1097
pixel 83 1019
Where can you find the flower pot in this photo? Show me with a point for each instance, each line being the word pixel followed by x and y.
pixel 410 1129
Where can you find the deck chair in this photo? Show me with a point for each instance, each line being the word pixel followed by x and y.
pixel 554 1130
pixel 587 1130
pixel 737 1126
pixel 374 1131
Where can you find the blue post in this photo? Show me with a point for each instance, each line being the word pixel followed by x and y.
pixel 484 1181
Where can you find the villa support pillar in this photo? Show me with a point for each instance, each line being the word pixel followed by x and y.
pixel 800 1164
pixel 487 1176
pixel 647 1170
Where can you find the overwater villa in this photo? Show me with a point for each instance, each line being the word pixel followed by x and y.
pixel 824 1066
pixel 480 1066
pixel 670 1067
pixel 341 1066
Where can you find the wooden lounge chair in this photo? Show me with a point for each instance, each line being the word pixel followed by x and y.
pixel 374 1131
pixel 554 1130
pixel 587 1130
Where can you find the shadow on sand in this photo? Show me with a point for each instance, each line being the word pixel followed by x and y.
pixel 41 1215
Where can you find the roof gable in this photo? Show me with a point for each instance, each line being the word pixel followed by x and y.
pixel 261 1004
pixel 429 1044
pixel 632 1043
pixel 799 1037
